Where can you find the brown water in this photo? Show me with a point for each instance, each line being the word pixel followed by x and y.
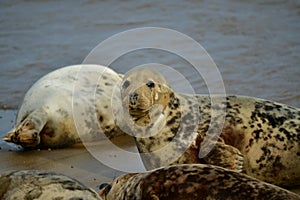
pixel 255 45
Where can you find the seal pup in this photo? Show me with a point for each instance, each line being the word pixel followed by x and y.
pixel 189 182
pixel 259 137
pixel 46 116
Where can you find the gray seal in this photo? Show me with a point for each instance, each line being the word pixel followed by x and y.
pixel 189 182
pixel 46 116
pixel 40 185
pixel 259 137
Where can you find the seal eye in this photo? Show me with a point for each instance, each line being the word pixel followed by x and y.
pixel 106 187
pixel 150 84
pixel 126 84
pixel 103 185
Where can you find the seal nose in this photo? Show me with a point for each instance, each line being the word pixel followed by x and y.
pixel 133 97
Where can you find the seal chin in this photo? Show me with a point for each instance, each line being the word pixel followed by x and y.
pixel 29 142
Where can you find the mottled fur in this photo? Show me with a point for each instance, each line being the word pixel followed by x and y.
pixel 42 185
pixel 259 137
pixel 189 182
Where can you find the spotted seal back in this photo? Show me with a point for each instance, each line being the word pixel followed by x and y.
pixel 189 182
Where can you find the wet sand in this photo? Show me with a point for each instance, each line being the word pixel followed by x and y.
pixel 75 161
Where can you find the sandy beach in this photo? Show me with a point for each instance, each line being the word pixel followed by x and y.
pixel 254 44
pixel 76 161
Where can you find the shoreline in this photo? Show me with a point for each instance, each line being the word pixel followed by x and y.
pixel 76 161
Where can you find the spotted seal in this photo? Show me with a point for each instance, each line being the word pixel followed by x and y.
pixel 46 118
pixel 259 137
pixel 40 185
pixel 191 181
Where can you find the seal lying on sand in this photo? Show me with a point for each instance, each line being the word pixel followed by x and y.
pixel 259 137
pixel 189 182
pixel 40 185
pixel 46 116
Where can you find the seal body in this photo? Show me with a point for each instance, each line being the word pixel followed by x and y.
pixel 40 185
pixel 189 182
pixel 255 136
pixel 266 133
pixel 66 100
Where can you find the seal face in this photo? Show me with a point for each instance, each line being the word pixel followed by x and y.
pixel 40 185
pixel 46 116
pixel 189 182
pixel 259 137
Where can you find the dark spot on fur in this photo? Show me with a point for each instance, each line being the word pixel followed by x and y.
pixel 174 102
pixel 273 121
pixel 33 194
pixel 71 185
pixel 251 142
pixel 280 138
pixel 99 90
pixel 171 121
pixel 277 165
pixel 192 178
pixel 268 108
pixel 58 198
pixel 174 130
pixel 239 120
pixel 288 135
pixel 256 134
pixel 107 84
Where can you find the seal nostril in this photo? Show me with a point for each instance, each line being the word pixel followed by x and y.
pixel 133 96
pixel 34 135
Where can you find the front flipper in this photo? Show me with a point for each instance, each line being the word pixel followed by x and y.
pixel 27 133
pixel 225 156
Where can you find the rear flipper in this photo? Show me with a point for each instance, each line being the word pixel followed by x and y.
pixel 27 133
pixel 225 156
